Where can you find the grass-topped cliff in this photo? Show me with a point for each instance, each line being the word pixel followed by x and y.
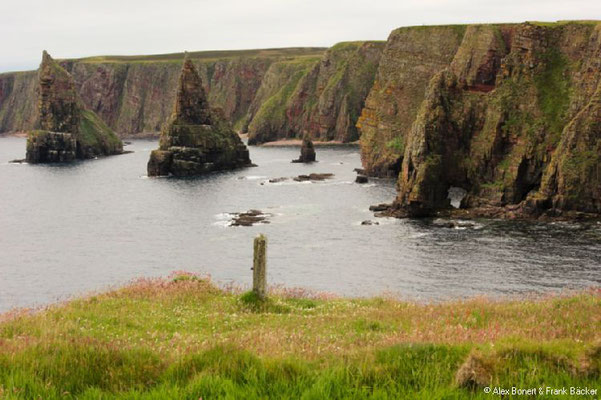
pixel 509 112
pixel 272 93
pixel 211 55
pixel 133 94
pixel 185 338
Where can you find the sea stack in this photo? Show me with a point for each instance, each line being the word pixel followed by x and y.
pixel 66 129
pixel 307 154
pixel 196 139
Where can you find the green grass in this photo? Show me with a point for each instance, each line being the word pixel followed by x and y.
pixel 185 338
pixel 211 55
pixel 553 91
pixel 555 24
pixel 95 134
pixel 397 145
pixel 271 116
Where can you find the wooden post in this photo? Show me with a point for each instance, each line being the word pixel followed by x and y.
pixel 260 266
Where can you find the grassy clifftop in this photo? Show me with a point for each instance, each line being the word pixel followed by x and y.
pixel 211 55
pixel 185 338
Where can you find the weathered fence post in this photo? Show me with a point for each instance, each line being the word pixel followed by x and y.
pixel 260 266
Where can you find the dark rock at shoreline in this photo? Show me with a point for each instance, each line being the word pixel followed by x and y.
pixel 380 207
pixel 307 152
pixel 197 139
pixel 361 179
pixel 313 177
pixel 369 222
pixel 50 147
pixel 278 180
pixel 249 218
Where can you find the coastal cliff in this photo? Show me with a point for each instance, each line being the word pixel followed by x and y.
pixel 510 113
pixel 321 98
pixel 134 94
pixel 273 94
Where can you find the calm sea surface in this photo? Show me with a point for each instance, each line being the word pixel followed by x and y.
pixel 71 229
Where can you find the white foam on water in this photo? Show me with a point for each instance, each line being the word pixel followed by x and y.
pixel 222 224
pixel 223 216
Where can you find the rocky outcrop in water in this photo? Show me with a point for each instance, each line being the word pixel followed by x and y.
pixel 307 154
pixel 249 218
pixel 197 139
pixel 510 113
pixel 66 129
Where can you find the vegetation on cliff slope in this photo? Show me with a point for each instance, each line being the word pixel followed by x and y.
pixel 511 113
pixel 185 338
pixel 325 101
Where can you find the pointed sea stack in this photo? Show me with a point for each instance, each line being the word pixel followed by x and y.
pixel 307 151
pixel 197 139
pixel 66 130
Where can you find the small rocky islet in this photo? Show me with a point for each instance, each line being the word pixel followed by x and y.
pixel 249 218
pixel 307 154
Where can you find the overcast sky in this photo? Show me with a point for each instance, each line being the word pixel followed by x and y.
pixel 80 28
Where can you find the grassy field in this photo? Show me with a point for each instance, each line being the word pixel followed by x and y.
pixel 182 337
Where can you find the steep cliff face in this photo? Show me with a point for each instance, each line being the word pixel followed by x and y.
pixel 412 56
pixel 268 115
pixel 134 95
pixel 18 101
pixel 321 98
pixel 514 119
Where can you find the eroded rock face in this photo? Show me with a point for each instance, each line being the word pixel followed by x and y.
pixel 67 131
pixel 320 97
pixel 58 107
pixel 515 120
pixel 197 139
pixel 411 57
pixel 51 147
